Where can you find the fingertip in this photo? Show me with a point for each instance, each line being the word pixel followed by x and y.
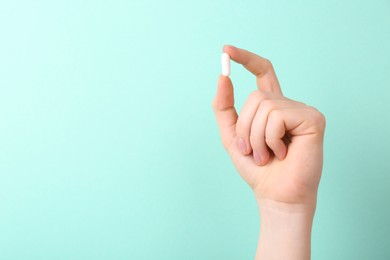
pixel 221 78
pixel 265 158
pixel 256 157
pixel 284 155
pixel 224 79
pixel 236 54
pixel 281 154
pixel 228 48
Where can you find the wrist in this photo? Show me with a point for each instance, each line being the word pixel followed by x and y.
pixel 271 206
pixel 285 230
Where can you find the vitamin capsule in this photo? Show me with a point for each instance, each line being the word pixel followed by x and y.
pixel 225 60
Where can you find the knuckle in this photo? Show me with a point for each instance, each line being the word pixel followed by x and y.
pixel 254 95
pixel 275 115
pixel 267 105
pixel 258 95
pixel 214 104
pixel 319 119
pixel 297 103
pixel 268 64
pixel 225 145
pixel 217 105
pixel 270 141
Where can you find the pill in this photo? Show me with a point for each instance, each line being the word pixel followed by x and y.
pixel 225 61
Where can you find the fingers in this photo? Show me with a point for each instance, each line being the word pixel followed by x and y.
pixel 244 122
pixel 261 134
pixel 303 121
pixel 258 135
pixel 262 68
pixel 266 118
pixel 275 131
pixel 225 113
pixel 299 121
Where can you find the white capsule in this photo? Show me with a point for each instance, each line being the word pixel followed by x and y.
pixel 225 60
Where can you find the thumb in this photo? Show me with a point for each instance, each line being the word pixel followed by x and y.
pixel 225 113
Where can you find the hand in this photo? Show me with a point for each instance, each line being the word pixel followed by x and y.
pixel 275 143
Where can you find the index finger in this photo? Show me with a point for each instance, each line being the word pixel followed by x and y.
pixel 262 68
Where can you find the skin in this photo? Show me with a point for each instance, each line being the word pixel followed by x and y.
pixel 276 145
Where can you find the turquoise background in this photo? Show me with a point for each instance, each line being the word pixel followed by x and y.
pixel 108 145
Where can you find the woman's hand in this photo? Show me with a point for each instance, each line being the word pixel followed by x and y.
pixel 275 143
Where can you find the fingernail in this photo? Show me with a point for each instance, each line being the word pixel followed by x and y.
pixel 242 145
pixel 256 157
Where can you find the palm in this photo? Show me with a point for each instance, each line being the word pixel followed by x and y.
pixel 291 180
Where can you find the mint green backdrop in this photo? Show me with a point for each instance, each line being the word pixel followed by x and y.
pixel 108 145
